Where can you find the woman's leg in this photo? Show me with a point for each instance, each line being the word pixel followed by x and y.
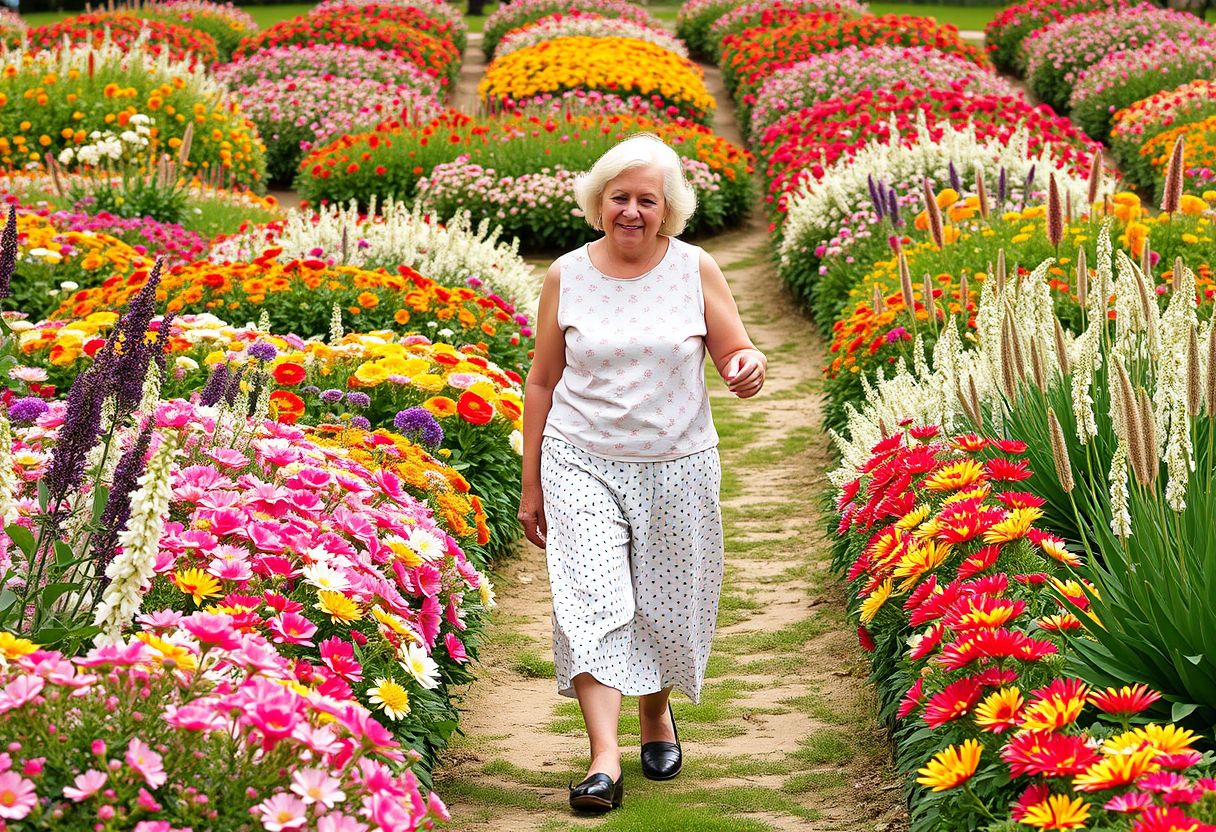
pixel 601 707
pixel 652 714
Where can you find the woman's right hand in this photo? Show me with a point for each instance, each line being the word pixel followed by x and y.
pixel 532 514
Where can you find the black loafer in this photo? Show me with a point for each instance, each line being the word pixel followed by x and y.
pixel 598 793
pixel 663 760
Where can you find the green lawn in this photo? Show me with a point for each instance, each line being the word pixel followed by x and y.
pixel 964 17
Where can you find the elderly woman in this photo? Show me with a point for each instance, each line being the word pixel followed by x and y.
pixel 621 472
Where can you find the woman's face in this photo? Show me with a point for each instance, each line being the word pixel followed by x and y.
pixel 632 207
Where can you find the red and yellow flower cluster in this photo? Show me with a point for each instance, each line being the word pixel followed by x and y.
pixel 181 43
pixel 967 607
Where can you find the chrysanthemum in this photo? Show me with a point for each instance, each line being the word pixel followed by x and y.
pixel 952 767
pixel 1034 753
pixel 954 475
pixel 984 612
pixel 870 606
pixel 1015 525
pixel 1059 623
pixel 956 700
pixel 913 518
pixel 390 697
pixel 1166 739
pixel 920 559
pixel 1005 470
pixel 197 584
pixel 1057 812
pixel 1124 701
pixel 1167 819
pixel 338 607
pixel 1116 770
pixel 999 710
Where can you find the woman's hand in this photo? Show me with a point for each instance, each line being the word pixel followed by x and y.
pixel 532 515
pixel 745 373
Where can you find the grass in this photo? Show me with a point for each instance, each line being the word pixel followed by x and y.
pixel 533 666
pixel 964 17
pixel 264 15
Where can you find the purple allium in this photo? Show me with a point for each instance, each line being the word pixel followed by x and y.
pixel 360 422
pixel 217 382
pixel 263 351
pixel 357 399
pixel 27 410
pixel 332 395
pixel 310 389
pixel 8 252
pixel 418 425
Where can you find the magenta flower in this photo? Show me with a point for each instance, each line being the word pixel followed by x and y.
pixel 455 648
pixel 212 629
pixel 146 762
pixel 85 785
pixel 292 628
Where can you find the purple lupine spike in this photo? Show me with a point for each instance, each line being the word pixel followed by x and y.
pixel 216 384
pixel 8 252
pixel 132 363
pixel 955 182
pixel 1002 187
pixel 234 386
pixel 118 503
pixel 1029 184
pixel 893 209
pixel 878 195
pixel 77 435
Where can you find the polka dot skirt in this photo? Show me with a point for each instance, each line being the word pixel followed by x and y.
pixel 635 553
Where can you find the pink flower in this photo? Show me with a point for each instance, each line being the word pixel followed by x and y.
pixel 118 655
pixel 146 762
pixel 153 826
pixel 339 656
pixel 283 811
pixel 455 648
pixel 292 628
pixel 316 786
pixel 17 796
pixel 429 619
pixel 147 802
pixel 19 691
pixel 212 629
pixel 86 785
pixel 228 458
pixel 338 822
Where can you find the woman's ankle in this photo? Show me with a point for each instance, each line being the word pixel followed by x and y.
pixel 608 762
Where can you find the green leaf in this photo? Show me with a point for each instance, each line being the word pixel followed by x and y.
pixel 24 539
pixel 53 592
pixel 1181 711
pixel 44 495
pixel 1195 660
pixel 7 598
pixel 101 496
pixel 64 556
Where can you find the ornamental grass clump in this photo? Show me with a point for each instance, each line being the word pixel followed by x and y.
pixel 510 16
pixel 619 65
pixel 1060 52
pixel 54 101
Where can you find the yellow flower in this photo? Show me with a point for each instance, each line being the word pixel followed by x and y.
pixel 196 583
pixel 14 647
pixel 870 607
pixel 999 709
pixel 1058 811
pixel 951 767
pixel 913 518
pixel 390 697
pixel 440 406
pixel 1192 205
pixel 338 607
pixel 429 382
pixel 1014 526
pixel 404 553
pixel 371 373
pixel 955 475
pixel 169 652
pixel 1117 770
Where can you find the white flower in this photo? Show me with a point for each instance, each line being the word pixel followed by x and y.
pixel 426 545
pixel 517 442
pixel 324 576
pixel 69 285
pixel 486 590
pixel 66 155
pixel 421 666
pixel 185 362
pixel 28 374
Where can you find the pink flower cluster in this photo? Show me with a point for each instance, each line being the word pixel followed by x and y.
pixel 169 240
pixel 857 68
pixel 756 10
pixel 587 25
pixel 198 724
pixel 327 61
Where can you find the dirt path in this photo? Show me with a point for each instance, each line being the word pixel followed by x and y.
pixel 785 737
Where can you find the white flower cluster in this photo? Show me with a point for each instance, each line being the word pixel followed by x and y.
pixel 454 252
pixel 818 207
pixel 126 146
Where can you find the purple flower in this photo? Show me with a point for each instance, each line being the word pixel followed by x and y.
pixel 217 382
pixel 310 389
pixel 357 399
pixel 263 351
pixel 118 504
pixel 418 425
pixel 27 410
pixel 331 396
pixel 8 252
pixel 80 429
pixel 360 422
pixel 131 364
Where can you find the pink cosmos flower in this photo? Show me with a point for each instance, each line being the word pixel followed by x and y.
pixel 282 812
pixel 159 620
pixel 153 826
pixel 292 628
pixel 17 796
pixel 146 762
pixel 117 655
pixel 1129 803
pixel 20 691
pixel 230 569
pixel 228 458
pixel 214 629
pixel 429 580
pixel 338 822
pixel 316 786
pixel 85 785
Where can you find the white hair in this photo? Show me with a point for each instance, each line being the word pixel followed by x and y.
pixel 641 151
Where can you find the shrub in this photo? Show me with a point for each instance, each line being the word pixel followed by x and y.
pixel 750 57
pixel 105 86
pixel 585 24
pixel 1126 76
pixel 510 144
pixel 694 20
pixel 327 60
pixel 770 13
pixel 225 23
pixel 1137 124
pixel 441 11
pixel 297 113
pixel 126 30
pixel 1060 52
pixel 618 65
pixel 520 13
pixel 1004 34
pixel 855 69
pixel 403 30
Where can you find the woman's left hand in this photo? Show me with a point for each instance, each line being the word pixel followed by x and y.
pixel 745 373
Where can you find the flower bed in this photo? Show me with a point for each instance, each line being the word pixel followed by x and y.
pixel 300 296
pixel 438 10
pixel 1147 118
pixel 127 31
pixel 510 144
pixel 804 143
pixel 856 69
pixel 54 101
pixel 585 24
pixel 770 13
pixel 407 31
pixel 297 113
pixel 335 60
pixel 749 58
pixel 623 65
pixel 1005 33
pixel 12 26
pixel 515 15
pixel 694 20
pixel 1058 53
pixel 1199 143
pixel 454 252
pixel 1126 76
pixel 225 23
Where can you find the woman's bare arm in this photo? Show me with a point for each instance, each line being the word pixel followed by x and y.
pixel 736 358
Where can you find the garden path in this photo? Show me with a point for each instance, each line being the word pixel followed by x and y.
pixel 785 737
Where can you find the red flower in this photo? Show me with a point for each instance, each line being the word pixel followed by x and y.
pixel 912 699
pixel 286 406
pixel 1039 753
pixel 1125 701
pixel 1171 819
pixel 1010 446
pixel 1004 470
pixel 289 374
pixel 1031 797
pixel 955 701
pixel 474 409
pixel 982 560
pixel 1020 499
pixel 865 639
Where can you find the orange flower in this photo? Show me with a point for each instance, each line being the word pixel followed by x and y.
pixel 440 406
pixel 368 300
pixel 1117 770
pixel 286 406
